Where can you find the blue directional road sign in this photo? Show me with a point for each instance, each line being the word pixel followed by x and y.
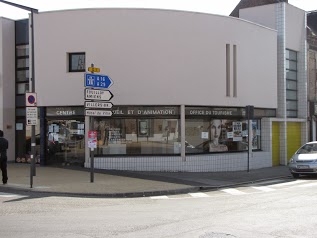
pixel 98 81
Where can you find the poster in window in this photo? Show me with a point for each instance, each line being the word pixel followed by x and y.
pixel 237 130
pixel 114 135
pixel 255 134
pixel 143 128
pixel 204 135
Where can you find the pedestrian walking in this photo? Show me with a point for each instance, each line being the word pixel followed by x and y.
pixel 4 144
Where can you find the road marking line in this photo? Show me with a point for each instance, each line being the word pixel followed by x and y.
pixel 8 195
pixel 264 189
pixel 160 197
pixel 18 185
pixel 24 186
pixel 233 191
pixel 287 183
pixel 270 182
pixel 307 185
pixel 199 195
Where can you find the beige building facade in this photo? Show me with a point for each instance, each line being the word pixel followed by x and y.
pixel 181 84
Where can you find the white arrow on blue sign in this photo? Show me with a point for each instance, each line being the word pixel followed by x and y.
pixel 98 81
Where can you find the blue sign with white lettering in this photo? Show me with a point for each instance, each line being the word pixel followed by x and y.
pixel 98 81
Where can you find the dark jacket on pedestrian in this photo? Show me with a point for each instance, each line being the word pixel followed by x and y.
pixel 3 147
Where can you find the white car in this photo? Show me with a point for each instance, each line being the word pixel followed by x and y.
pixel 304 161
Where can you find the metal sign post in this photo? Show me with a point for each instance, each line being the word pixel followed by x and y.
pixel 92 152
pixel 98 99
pixel 33 140
pixel 92 144
pixel 92 165
pixel 249 110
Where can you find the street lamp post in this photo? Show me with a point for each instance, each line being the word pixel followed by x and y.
pixel 32 79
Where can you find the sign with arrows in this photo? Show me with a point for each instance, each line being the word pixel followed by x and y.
pixel 97 94
pixel 95 85
pixel 98 113
pixel 96 104
pixel 98 81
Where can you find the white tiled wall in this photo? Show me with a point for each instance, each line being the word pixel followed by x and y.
pixel 197 163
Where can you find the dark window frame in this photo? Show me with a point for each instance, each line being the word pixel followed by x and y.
pixel 292 80
pixel 70 59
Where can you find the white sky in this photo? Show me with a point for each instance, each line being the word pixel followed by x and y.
pixel 221 7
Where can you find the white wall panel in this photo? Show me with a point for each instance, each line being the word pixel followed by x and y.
pixel 155 57
pixel 263 15
pixel 7 83
pixel 295 29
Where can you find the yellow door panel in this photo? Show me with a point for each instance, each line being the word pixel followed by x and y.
pixel 275 144
pixel 293 138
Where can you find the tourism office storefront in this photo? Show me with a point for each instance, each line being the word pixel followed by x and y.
pixel 145 133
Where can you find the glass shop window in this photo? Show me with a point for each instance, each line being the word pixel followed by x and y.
pixel 220 135
pixel 137 136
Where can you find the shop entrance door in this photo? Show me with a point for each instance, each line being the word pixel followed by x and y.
pixel 66 142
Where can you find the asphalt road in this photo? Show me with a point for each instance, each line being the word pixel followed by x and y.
pixel 279 208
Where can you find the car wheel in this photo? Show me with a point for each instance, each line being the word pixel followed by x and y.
pixel 295 175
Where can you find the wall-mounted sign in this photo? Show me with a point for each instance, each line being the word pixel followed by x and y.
pixel 145 111
pixel 227 112
pixel 214 112
pixel 65 111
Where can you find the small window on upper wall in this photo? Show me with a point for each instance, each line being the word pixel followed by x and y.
pixel 76 62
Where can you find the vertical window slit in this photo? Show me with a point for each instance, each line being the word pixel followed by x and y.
pixel 235 71
pixel 227 70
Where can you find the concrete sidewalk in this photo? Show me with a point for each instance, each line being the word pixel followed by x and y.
pixel 76 181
